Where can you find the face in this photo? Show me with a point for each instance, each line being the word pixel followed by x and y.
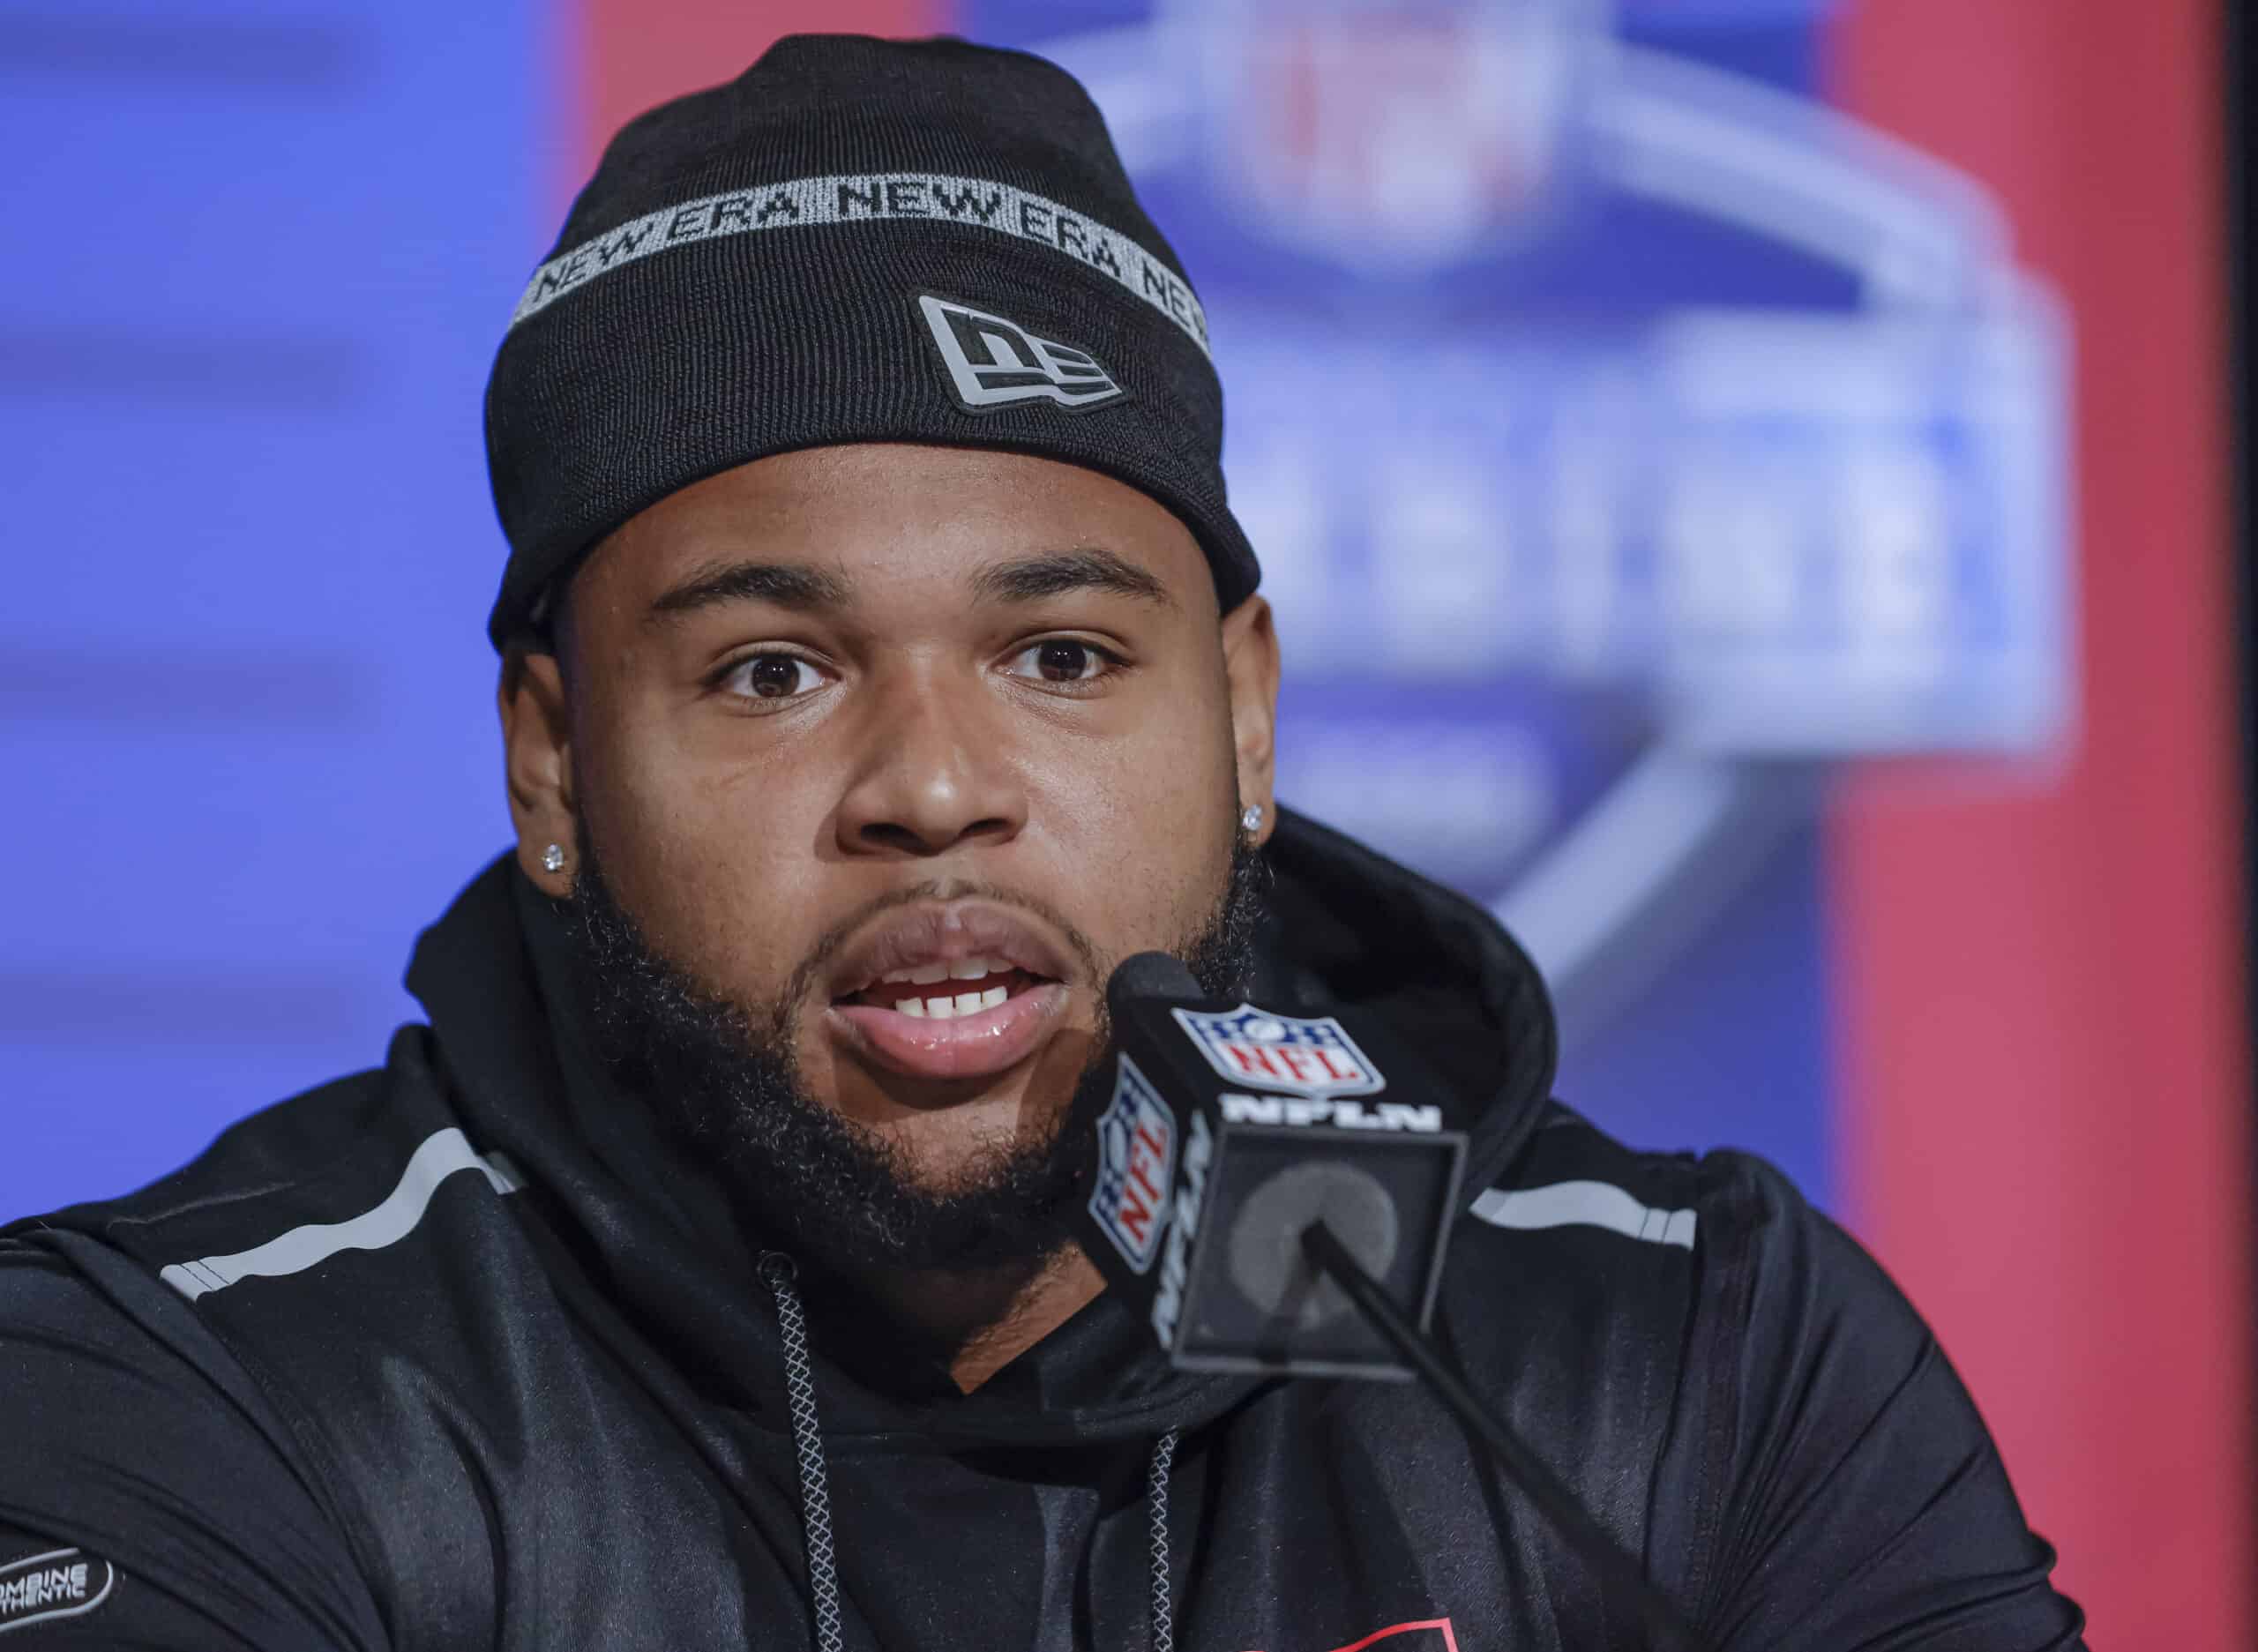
pixel 891 753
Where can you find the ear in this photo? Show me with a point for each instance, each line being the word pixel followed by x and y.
pixel 1251 670
pixel 538 752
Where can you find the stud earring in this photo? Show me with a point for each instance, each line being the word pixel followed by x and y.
pixel 552 858
pixel 1251 822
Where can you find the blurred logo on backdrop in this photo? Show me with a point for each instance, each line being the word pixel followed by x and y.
pixel 1624 440
pixel 1392 138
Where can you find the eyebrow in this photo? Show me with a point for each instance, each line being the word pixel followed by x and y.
pixel 1090 568
pixel 806 589
pixel 791 585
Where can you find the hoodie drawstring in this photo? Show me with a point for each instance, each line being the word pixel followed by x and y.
pixel 777 1273
pixel 1157 1510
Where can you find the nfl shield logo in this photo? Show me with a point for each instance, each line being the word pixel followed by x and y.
pixel 1395 133
pixel 1281 1052
pixel 1136 1159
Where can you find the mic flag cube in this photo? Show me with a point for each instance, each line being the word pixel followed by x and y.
pixel 1136 1168
pixel 1229 1129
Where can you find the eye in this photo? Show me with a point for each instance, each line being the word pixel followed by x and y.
pixel 773 676
pixel 1063 660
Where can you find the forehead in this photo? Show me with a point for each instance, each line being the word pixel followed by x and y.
pixel 895 515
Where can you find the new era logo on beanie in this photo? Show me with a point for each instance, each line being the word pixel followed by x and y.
pixel 856 240
pixel 993 363
pixel 805 203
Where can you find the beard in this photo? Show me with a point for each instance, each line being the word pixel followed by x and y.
pixel 841 1197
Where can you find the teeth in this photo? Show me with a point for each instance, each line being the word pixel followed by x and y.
pixel 971 968
pixel 949 1008
pixel 923 976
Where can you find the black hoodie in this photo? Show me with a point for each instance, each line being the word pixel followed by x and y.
pixel 465 1352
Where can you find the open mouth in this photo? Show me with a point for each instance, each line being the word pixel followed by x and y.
pixel 953 990
pixel 944 991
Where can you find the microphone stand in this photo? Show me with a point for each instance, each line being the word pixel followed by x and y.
pixel 1617 1572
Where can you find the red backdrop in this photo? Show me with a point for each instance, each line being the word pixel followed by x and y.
pixel 2042 1051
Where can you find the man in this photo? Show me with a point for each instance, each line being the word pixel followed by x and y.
pixel 881 666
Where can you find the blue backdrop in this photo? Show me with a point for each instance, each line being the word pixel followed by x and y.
pixel 261 256
pixel 1626 438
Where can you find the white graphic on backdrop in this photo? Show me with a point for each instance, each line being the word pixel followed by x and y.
pixel 1621 438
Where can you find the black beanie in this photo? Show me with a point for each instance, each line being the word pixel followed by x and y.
pixel 855 241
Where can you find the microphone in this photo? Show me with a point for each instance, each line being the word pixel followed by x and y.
pixel 1232 1129
pixel 1274 1193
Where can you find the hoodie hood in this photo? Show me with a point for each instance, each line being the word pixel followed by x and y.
pixel 675 1249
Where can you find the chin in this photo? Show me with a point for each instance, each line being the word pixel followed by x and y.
pixel 945 1135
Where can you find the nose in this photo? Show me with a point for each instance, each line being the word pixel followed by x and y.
pixel 933 772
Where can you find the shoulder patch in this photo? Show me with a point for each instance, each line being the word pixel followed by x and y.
pixel 1585 1205
pixel 57 1583
pixel 442 1154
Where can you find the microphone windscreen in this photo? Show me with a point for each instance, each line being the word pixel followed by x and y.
pixel 1267 1261
pixel 1149 976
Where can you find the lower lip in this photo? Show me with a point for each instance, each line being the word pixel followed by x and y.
pixel 975 1046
